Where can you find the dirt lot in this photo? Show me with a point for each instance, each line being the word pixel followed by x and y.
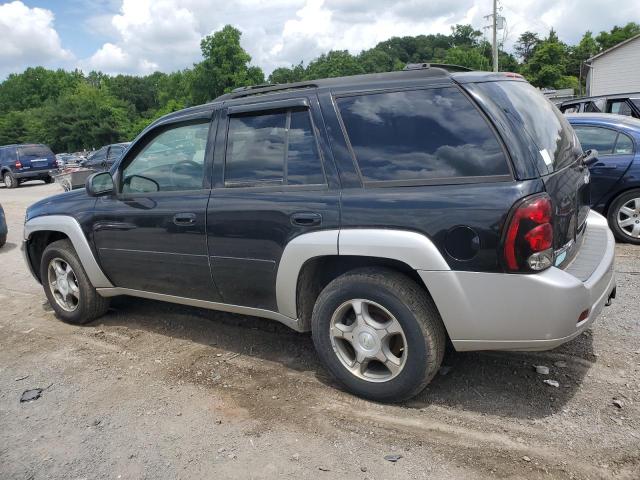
pixel 160 391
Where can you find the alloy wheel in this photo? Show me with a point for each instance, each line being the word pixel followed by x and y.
pixel 63 284
pixel 368 340
pixel 628 218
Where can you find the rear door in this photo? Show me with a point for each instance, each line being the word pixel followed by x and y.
pixel 615 154
pixel 274 181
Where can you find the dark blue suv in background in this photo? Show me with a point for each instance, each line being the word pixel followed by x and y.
pixel 615 177
pixel 383 213
pixel 20 163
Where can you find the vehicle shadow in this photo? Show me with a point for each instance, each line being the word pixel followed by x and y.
pixel 7 247
pixel 495 383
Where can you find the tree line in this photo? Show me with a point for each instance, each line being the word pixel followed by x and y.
pixel 71 111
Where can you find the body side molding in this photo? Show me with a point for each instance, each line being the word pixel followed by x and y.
pixel 71 228
pixel 223 307
pixel 411 248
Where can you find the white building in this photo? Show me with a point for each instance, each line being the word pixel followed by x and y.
pixel 616 70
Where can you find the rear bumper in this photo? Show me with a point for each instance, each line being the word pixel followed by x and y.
pixel 34 173
pixel 496 311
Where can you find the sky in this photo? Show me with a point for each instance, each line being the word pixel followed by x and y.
pixel 143 36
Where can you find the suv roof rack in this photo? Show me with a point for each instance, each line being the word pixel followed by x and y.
pixel 444 66
pixel 411 69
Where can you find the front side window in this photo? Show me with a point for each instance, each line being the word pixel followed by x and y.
pixel 115 153
pixel 591 107
pixel 571 108
pixel 600 139
pixel 171 161
pixel 272 148
pixel 420 135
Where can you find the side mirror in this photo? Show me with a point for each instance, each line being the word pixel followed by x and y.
pixel 100 184
pixel 140 184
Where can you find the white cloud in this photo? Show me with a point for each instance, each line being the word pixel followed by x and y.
pixel 28 39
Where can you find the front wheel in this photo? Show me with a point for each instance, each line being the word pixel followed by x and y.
pixel 624 217
pixel 379 334
pixel 48 180
pixel 67 286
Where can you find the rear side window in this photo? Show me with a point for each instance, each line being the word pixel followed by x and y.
pixel 624 145
pixel 571 108
pixel 600 139
pixel 272 148
pixel 420 135
pixel 620 107
pixel 591 107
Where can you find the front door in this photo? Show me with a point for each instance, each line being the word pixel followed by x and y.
pixel 274 180
pixel 615 154
pixel 151 234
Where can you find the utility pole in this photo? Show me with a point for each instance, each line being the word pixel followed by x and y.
pixel 494 22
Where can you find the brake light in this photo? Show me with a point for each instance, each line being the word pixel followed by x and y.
pixel 528 241
pixel 18 164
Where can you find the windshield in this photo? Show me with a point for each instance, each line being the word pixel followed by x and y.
pixel 35 151
pixel 542 121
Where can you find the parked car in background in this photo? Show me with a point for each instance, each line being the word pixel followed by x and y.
pixel 3 228
pixel 105 157
pixel 615 177
pixel 21 163
pixel 384 213
pixel 622 104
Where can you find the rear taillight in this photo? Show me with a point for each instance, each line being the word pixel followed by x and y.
pixel 528 239
pixel 18 164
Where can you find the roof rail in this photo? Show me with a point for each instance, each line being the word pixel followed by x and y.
pixel 265 88
pixel 444 66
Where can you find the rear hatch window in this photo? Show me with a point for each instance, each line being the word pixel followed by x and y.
pixel 36 156
pixel 552 142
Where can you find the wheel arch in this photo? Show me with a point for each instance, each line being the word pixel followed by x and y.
pixel 40 232
pixel 311 261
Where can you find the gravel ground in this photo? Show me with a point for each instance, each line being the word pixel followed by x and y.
pixel 161 391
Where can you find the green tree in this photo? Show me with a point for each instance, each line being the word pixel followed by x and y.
pixel 296 73
pixel 465 36
pixel 547 66
pixel 225 66
pixel 336 63
pixel 526 45
pixel 467 57
pixel 617 34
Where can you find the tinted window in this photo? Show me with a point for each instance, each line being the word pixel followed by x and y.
pixel 173 160
pixel 420 135
pixel 544 123
pixel 115 153
pixel 624 144
pixel 591 107
pixel 303 161
pixel 277 147
pixel 571 108
pixel 601 139
pixel 620 107
pixel 255 149
pixel 33 151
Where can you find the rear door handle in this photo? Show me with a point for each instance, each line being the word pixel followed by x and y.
pixel 306 219
pixel 183 219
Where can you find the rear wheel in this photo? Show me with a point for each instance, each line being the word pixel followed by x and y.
pixel 3 240
pixel 9 180
pixel 379 334
pixel 48 180
pixel 624 217
pixel 67 286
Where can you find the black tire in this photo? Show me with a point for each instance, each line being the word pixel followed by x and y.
pixel 612 216
pixel 411 306
pixel 48 180
pixel 3 240
pixel 90 304
pixel 10 181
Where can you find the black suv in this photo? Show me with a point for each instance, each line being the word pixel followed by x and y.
pixel 384 213
pixel 20 163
